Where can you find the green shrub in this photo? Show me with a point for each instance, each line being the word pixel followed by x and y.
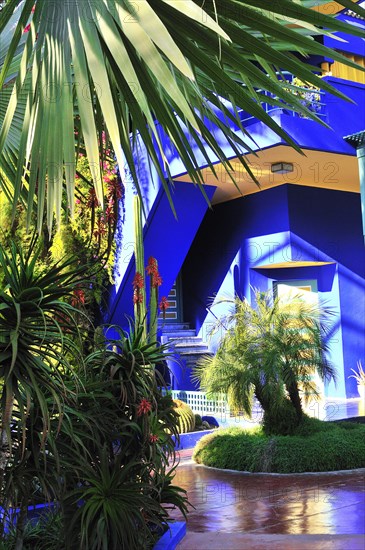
pixel 281 420
pixel 317 447
pixel 186 417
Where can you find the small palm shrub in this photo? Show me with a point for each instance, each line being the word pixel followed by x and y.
pixel 270 353
pixel 185 416
pixel 281 420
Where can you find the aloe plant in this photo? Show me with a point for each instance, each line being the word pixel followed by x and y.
pixel 121 449
pixel 141 314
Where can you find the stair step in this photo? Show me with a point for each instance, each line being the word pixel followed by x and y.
pixel 184 340
pixel 179 342
pixel 194 353
pixel 179 334
pixel 173 327
pixel 189 348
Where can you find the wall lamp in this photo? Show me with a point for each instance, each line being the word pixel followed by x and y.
pixel 282 167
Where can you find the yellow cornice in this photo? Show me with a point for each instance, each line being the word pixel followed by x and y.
pixel 330 8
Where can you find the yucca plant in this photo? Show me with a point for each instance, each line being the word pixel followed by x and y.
pixel 270 352
pixel 38 341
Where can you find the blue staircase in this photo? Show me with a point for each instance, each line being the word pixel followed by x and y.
pixel 185 348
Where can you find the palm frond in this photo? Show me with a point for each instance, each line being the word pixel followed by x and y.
pixel 129 69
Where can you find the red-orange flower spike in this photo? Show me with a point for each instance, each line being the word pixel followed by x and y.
pixel 164 304
pixel 156 280
pixel 151 268
pixel 138 282
pixel 78 297
pixel 137 297
pixel 144 407
pixel 100 228
pixel 153 438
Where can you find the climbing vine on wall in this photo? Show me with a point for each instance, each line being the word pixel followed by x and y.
pixel 88 235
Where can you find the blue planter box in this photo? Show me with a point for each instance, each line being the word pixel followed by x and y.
pixel 172 537
pixel 34 513
pixel 189 440
pixel 168 541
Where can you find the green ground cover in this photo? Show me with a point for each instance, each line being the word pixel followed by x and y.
pixel 317 446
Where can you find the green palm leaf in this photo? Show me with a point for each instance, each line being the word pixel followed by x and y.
pixel 123 66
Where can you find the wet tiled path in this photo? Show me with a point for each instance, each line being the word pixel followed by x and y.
pixel 256 511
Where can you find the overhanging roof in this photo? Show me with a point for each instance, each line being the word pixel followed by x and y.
pixel 324 169
pixel 290 264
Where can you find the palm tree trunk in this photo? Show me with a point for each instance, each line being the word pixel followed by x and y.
pixel 294 396
pixel 259 393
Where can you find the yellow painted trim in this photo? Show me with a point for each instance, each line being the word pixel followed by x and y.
pixel 330 8
pixel 284 265
pixel 339 70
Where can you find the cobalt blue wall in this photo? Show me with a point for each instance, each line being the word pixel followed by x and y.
pixel 351 44
pixel 219 239
pixel 345 118
pixel 331 222
pixel 166 238
pixel 287 223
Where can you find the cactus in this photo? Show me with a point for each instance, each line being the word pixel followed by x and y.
pixel 186 418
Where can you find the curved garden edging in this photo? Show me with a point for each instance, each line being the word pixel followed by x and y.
pixel 190 439
pixel 331 472
pixel 172 537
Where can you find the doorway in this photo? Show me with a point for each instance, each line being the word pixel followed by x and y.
pixel 174 312
pixel 308 292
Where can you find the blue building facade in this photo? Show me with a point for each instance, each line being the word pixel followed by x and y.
pixel 300 229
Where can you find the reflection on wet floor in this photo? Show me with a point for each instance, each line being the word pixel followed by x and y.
pixel 304 504
pixel 273 504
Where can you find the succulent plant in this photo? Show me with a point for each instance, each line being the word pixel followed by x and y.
pixel 186 420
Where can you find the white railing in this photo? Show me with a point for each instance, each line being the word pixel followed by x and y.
pixel 198 401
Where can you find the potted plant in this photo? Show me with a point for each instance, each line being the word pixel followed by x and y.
pixel 359 376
